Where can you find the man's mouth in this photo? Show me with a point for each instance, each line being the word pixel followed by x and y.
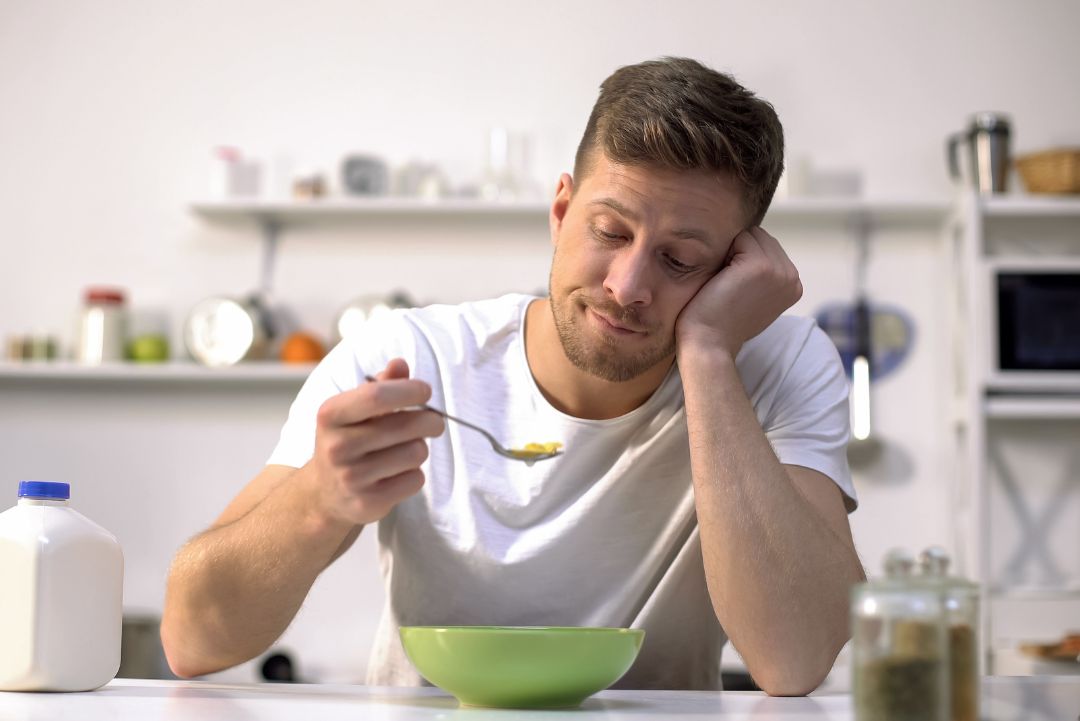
pixel 614 325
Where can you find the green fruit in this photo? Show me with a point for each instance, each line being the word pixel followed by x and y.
pixel 150 348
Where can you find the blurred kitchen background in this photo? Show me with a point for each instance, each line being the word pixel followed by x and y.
pixel 334 154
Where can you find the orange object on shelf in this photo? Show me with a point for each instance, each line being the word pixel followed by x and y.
pixel 1068 649
pixel 302 347
pixel 1051 171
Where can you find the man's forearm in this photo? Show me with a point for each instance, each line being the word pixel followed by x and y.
pixel 778 575
pixel 233 590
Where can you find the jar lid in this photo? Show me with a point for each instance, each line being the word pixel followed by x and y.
pixel 99 294
pixel 934 564
pixel 898 563
pixel 44 489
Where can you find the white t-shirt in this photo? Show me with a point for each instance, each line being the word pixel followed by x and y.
pixel 604 535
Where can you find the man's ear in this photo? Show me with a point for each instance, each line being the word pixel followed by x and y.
pixel 563 192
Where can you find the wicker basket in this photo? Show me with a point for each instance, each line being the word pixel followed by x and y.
pixel 1051 171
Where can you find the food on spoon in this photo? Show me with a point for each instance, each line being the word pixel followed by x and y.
pixel 535 450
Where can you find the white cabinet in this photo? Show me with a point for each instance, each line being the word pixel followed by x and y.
pixel 1016 490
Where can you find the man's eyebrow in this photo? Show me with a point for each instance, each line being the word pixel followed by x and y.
pixel 616 206
pixel 692 234
pixel 687 233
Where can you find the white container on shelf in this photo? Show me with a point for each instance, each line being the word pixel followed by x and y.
pixel 102 327
pixel 61 595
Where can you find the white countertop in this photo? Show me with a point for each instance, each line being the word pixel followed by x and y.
pixel 1045 698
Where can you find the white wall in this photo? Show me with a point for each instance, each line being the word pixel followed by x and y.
pixel 108 112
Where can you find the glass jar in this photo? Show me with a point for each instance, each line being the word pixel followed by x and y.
pixel 102 333
pixel 961 609
pixel 899 646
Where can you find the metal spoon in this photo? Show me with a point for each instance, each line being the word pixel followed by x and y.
pixel 495 445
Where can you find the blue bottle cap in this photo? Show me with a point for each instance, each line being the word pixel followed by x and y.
pixel 44 489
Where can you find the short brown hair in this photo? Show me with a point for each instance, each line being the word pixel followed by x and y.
pixel 676 113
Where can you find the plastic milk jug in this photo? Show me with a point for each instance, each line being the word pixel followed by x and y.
pixel 61 595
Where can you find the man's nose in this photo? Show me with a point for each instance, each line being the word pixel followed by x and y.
pixel 628 278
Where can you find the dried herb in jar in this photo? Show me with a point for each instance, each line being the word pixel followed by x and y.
pixel 963 674
pixel 907 683
pixel 899 689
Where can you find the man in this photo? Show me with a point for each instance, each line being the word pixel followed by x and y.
pixel 703 492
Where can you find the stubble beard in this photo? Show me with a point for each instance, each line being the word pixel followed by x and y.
pixel 603 358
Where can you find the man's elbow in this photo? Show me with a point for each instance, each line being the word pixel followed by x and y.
pixel 180 670
pixel 180 666
pixel 780 681
pixel 186 667
pixel 794 674
pixel 182 662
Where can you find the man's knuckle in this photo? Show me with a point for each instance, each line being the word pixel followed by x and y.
pixel 325 415
pixel 356 475
pixel 335 450
pixel 379 394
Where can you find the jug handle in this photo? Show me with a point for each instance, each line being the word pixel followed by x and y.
pixel 954 162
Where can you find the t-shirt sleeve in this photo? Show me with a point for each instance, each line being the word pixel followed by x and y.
pixel 809 423
pixel 343 368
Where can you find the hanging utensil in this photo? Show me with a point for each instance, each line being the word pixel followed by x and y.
pixel 864 447
pixel 860 372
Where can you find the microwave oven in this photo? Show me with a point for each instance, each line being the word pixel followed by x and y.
pixel 1035 324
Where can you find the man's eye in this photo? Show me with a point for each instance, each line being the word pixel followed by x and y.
pixel 677 265
pixel 604 235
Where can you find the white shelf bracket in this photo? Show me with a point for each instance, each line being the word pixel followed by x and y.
pixel 271 232
pixel 862 228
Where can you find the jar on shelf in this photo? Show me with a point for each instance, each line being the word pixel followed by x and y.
pixel 960 599
pixel 899 646
pixel 102 332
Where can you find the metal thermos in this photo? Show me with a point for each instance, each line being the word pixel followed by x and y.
pixel 987 143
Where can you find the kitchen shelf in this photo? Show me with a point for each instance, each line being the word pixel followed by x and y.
pixel 1011 661
pixel 1036 593
pixel 881 212
pixel 1030 206
pixel 1030 383
pixel 1033 407
pixel 173 372
pixel 295 210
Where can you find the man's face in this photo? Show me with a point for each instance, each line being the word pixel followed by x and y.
pixel 634 246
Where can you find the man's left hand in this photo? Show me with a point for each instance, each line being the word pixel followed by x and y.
pixel 756 285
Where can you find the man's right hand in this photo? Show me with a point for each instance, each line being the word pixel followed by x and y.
pixel 235 588
pixel 369 446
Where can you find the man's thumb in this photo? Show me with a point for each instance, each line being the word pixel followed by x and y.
pixel 396 368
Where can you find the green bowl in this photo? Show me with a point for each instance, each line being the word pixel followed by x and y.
pixel 521 666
